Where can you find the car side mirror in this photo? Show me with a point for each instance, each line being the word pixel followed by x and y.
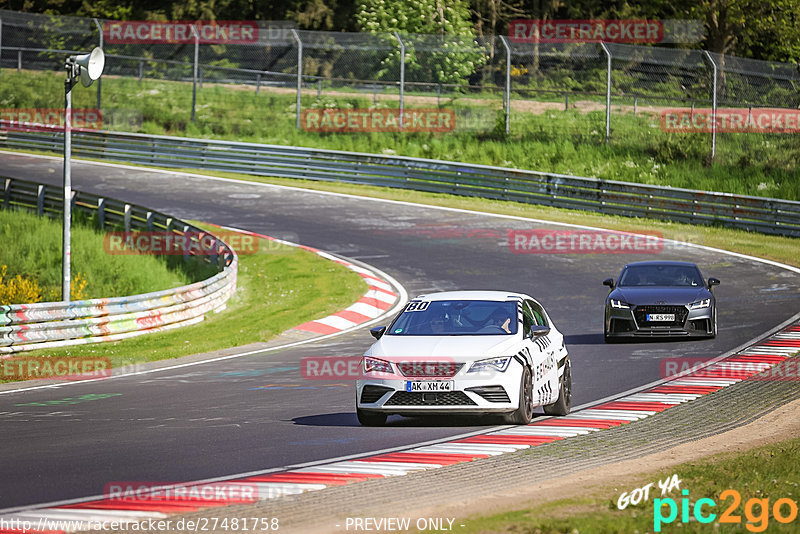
pixel 609 282
pixel 377 332
pixel 538 331
pixel 712 282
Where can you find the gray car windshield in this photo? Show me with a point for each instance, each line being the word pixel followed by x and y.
pixel 456 318
pixel 661 275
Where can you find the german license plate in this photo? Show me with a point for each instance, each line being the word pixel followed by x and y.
pixel 429 385
pixel 660 317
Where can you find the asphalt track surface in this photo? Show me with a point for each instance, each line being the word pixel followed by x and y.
pixel 256 412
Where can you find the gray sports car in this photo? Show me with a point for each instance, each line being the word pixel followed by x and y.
pixel 660 298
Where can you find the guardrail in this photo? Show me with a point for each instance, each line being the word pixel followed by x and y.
pixel 766 215
pixel 53 324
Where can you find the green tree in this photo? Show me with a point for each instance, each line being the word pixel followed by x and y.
pixel 448 55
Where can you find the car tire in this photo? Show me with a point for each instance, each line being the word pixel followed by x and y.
pixel 370 418
pixel 524 412
pixel 562 405
pixel 714 326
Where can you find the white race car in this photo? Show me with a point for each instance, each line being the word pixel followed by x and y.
pixel 466 352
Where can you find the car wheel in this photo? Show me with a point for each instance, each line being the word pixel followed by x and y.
pixel 370 418
pixel 524 412
pixel 714 326
pixel 562 405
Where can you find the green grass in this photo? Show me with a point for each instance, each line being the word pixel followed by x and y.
pixel 31 247
pixel 278 287
pixel 569 142
pixel 768 472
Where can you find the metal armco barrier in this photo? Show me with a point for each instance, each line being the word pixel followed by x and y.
pixel 766 215
pixel 54 324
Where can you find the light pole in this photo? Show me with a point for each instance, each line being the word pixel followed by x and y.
pixel 87 67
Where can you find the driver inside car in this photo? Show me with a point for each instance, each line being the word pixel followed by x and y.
pixel 501 320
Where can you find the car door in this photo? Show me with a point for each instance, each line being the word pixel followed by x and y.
pixel 544 362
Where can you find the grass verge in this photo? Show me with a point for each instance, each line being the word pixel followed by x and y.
pixel 37 258
pixel 278 287
pixel 570 141
pixel 761 476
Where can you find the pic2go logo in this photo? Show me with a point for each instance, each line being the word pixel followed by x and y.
pixel 756 511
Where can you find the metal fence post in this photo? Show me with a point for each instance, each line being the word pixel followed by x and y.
pixel 100 79
pixel 194 68
pixel 402 74
pixel 507 91
pixel 299 76
pixel 1 44
pixel 713 106
pixel 608 90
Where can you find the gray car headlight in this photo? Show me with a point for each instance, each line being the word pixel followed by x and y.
pixel 699 304
pixel 620 305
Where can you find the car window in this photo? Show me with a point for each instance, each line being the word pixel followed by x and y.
pixel 456 317
pixel 538 313
pixel 527 319
pixel 661 275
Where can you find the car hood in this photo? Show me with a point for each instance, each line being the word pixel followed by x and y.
pixel 452 348
pixel 664 295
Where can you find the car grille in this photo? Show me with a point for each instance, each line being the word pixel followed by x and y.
pixel 640 313
pixel 372 394
pixel 491 393
pixel 441 398
pixel 429 369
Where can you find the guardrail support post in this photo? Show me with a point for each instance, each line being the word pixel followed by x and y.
pixel 299 76
pixel 402 76
pixel 101 213
pixel 194 68
pixel 713 105
pixel 100 79
pixel 40 201
pixel 127 217
pixel 607 52
pixel 187 245
pixel 507 92
pixel 7 194
pixel 149 221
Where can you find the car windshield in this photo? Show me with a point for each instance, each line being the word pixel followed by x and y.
pixel 456 318
pixel 661 275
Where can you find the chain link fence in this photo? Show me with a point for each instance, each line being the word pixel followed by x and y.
pixel 591 92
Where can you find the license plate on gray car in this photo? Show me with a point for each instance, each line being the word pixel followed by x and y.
pixel 660 317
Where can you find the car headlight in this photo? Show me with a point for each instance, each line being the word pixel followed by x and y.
pixel 490 364
pixel 374 365
pixel 705 303
pixel 620 305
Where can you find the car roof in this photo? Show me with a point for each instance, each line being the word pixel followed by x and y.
pixel 500 296
pixel 662 262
